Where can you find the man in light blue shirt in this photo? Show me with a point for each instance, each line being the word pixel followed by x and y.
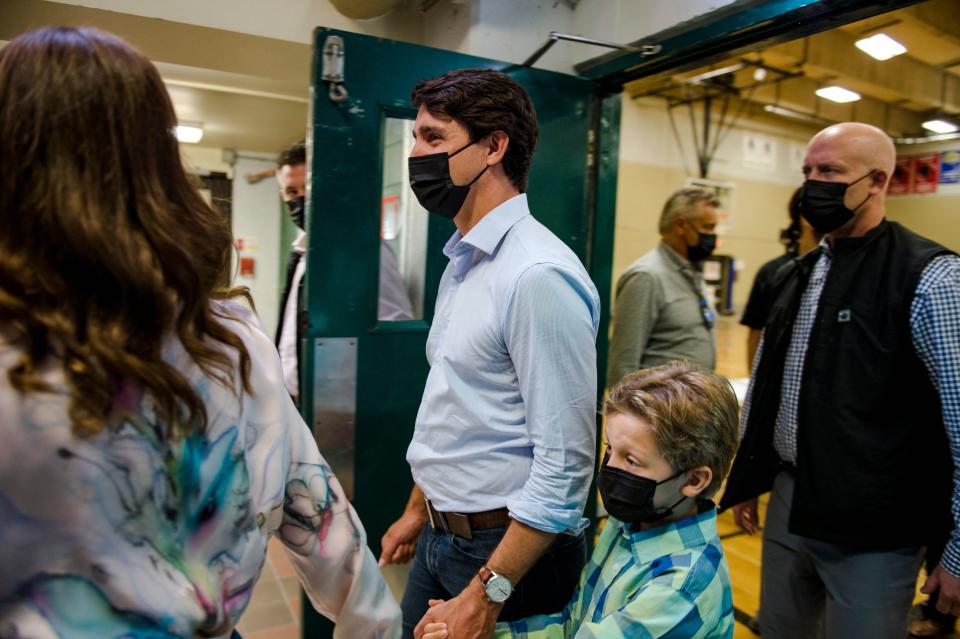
pixel 503 449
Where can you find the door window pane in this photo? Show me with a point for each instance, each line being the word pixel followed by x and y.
pixel 403 230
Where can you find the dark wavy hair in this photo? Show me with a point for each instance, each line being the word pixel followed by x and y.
pixel 486 101
pixel 107 248
pixel 790 236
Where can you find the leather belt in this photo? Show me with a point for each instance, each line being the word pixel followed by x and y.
pixel 463 524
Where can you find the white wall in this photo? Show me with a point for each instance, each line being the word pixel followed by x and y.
pixel 509 30
pixel 292 20
pixel 204 158
pixel 512 30
pixel 629 20
pixel 257 216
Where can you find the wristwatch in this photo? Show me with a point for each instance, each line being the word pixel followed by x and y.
pixel 498 588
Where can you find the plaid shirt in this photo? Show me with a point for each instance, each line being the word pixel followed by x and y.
pixel 935 329
pixel 668 581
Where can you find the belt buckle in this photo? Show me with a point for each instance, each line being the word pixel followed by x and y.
pixel 463 528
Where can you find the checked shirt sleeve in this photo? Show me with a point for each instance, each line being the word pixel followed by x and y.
pixel 935 325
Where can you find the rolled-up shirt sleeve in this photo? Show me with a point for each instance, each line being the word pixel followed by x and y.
pixel 550 330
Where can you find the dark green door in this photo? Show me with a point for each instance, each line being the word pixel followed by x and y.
pixel 368 375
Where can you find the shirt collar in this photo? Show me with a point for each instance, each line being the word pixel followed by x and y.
pixel 675 537
pixel 300 244
pixel 673 258
pixel 487 234
pixel 825 246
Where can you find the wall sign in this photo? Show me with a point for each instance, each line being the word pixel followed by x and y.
pixel 926 173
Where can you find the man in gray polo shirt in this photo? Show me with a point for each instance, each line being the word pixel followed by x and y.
pixel 662 310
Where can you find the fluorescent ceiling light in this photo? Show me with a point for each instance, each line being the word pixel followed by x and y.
pixel 881 46
pixel 940 126
pixel 796 115
pixel 838 94
pixel 733 68
pixel 191 132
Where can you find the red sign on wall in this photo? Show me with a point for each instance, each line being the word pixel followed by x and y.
pixel 926 173
pixel 248 267
pixel 902 176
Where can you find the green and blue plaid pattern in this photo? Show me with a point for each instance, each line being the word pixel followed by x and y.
pixel 668 581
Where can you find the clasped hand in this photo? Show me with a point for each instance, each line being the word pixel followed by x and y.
pixel 469 615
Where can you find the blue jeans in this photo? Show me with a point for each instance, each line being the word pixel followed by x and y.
pixel 444 564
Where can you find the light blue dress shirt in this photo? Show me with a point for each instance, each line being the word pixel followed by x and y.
pixel 508 416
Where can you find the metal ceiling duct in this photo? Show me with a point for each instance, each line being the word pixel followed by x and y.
pixel 365 9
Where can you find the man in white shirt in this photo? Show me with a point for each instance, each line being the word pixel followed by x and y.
pixel 292 178
pixel 503 449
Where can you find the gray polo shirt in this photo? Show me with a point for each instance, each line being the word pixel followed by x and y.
pixel 657 317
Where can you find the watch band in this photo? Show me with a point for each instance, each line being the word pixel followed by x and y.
pixel 485 575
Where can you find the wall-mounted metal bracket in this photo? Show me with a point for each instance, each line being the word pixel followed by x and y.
pixel 646 49
pixel 332 72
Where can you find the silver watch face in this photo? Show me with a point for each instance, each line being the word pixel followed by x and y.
pixel 498 589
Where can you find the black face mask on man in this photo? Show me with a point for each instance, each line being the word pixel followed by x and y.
pixel 296 207
pixel 822 204
pixel 629 497
pixel 706 243
pixel 431 183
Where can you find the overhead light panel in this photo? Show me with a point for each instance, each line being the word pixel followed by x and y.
pixel 838 94
pixel 881 46
pixel 191 132
pixel 715 73
pixel 940 126
pixel 796 115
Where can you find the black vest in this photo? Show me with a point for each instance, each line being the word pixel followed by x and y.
pixel 873 464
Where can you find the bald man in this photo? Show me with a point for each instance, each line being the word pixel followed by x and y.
pixel 854 409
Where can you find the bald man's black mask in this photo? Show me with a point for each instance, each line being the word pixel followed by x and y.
pixel 821 204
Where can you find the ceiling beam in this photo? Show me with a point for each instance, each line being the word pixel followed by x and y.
pixel 832 55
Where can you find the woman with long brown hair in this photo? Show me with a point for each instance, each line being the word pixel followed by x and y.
pixel 149 449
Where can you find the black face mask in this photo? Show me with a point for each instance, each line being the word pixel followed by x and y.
pixel 431 183
pixel 821 204
pixel 296 208
pixel 629 497
pixel 706 243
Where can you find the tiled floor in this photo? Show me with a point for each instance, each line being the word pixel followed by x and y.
pixel 274 612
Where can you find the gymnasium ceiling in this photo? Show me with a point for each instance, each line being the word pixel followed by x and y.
pixel 897 94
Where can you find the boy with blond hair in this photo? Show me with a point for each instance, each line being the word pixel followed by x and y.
pixel 658 569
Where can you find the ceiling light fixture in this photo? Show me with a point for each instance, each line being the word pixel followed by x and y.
pixel 715 73
pixel 838 94
pixel 190 132
pixel 940 126
pixel 881 46
pixel 796 115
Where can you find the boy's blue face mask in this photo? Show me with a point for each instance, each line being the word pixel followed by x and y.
pixel 629 497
